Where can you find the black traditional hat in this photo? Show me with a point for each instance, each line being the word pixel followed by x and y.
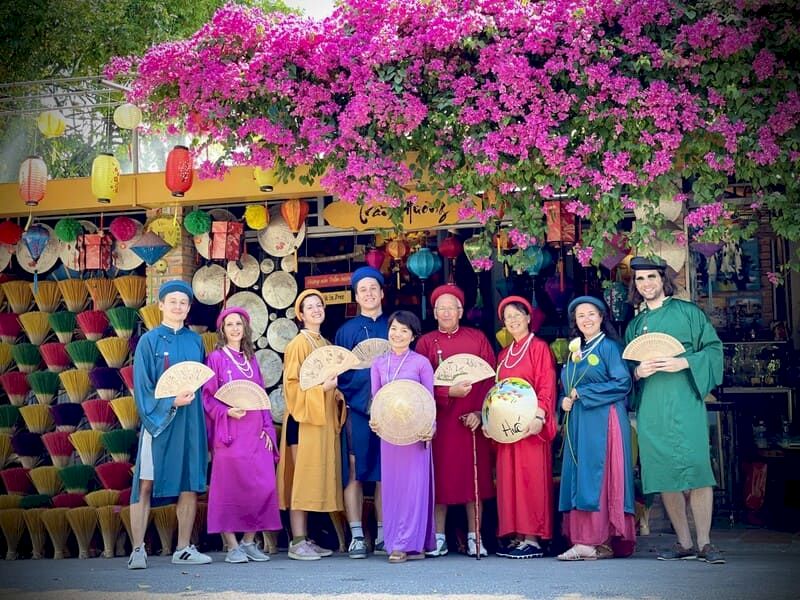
pixel 640 263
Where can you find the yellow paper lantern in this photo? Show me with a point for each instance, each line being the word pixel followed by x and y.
pixel 265 179
pixel 256 216
pixel 51 123
pixel 127 116
pixel 105 178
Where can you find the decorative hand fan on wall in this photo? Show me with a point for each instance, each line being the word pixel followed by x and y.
pixel 187 376
pixel 325 362
pixel 462 368
pixel 652 345
pixel 244 394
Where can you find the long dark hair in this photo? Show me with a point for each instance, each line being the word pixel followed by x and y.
pixel 247 347
pixel 606 326
pixel 407 319
pixel 668 277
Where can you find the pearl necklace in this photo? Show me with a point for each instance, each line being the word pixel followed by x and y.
pixel 518 354
pixel 245 368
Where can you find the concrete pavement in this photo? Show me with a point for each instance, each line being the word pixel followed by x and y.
pixel 761 564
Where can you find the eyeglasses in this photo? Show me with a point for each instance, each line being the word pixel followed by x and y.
pixel 447 309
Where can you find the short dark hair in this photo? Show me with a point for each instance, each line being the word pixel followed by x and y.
pixel 408 319
pixel 519 306
pixel 606 326
pixel 667 276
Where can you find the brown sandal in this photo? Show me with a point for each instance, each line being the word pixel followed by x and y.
pixel 604 551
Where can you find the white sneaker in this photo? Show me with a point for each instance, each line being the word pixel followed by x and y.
pixel 138 558
pixel 189 556
pixel 253 552
pixel 472 547
pixel 236 555
pixel 441 548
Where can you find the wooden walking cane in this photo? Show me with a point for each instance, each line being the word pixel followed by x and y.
pixel 477 497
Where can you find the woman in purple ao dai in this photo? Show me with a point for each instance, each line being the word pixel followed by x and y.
pixel 406 471
pixel 242 495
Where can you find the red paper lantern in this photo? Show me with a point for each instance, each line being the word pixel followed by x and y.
pixel 375 257
pixel 451 247
pixel 179 172
pixel 294 212
pixel 32 180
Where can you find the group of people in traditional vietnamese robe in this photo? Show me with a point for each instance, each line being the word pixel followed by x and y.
pixel 327 450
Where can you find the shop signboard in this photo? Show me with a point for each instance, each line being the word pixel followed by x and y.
pixel 421 215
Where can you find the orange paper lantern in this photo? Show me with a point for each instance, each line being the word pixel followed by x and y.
pixel 294 212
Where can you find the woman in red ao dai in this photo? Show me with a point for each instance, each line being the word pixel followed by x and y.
pixel 524 468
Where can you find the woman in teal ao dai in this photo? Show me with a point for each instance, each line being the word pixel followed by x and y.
pixel 596 495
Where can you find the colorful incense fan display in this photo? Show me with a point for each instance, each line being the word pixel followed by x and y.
pixel 106 381
pixel 63 324
pixel 45 386
pixel 132 290
pixel 28 447
pixel 27 357
pixel 77 385
pixel 87 443
pixel 151 316
pixel 125 409
pixel 15 384
pixel 47 296
pixel 74 293
pixel 114 350
pixel 93 324
pixel 99 414
pixel 126 373
pixel 10 327
pixel 84 353
pixel 123 320
pixel 83 521
pixel 119 443
pixel 67 416
pixel 46 480
pixel 5 356
pixel 77 478
pixel 36 326
pixel 113 475
pixel 19 295
pixel 37 417
pixel 55 356
pixel 103 293
pixel 58 447
pixel 9 417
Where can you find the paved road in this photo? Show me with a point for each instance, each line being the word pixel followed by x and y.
pixel 760 565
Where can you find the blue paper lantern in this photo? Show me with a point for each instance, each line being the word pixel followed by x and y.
pixel 35 239
pixel 539 258
pixel 423 263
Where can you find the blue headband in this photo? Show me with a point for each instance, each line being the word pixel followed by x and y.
pixel 175 285
pixel 587 300
pixel 364 272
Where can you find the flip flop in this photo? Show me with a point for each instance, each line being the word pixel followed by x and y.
pixel 573 555
pixel 397 557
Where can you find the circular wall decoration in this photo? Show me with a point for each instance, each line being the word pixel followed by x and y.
pixel 276 238
pixel 125 258
pixel 277 404
pixel 280 333
pixel 5 256
pixel 271 366
pixel 246 275
pixel 279 289
pixel 210 284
